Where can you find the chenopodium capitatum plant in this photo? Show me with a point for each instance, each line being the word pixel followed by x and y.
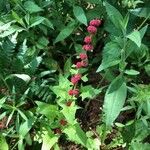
pixel 68 92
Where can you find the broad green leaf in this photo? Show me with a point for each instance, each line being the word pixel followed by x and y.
pixel 110 56
pixel 48 141
pixel 70 112
pixel 114 15
pixel 117 82
pixel 50 111
pixel 34 21
pixel 65 32
pixel 132 72
pixel 3 143
pixel 113 103
pixel 76 134
pixel 32 7
pixel 141 12
pixel 18 18
pixel 24 77
pixel 48 23
pixel 135 37
pixel 143 31
pixel 25 127
pixel 80 14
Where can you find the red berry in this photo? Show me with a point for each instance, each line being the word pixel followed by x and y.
pixel 88 47
pixel 73 92
pixel 63 122
pixel 74 80
pixel 92 29
pixel 70 92
pixel 84 63
pixel 95 22
pixel 78 65
pixel 77 76
pixel 83 56
pixel 87 39
pixel 69 103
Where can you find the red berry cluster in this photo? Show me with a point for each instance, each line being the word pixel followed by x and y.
pixel 92 30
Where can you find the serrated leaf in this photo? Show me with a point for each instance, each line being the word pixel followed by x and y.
pixel 114 15
pixel 89 92
pixel 69 113
pixel 48 141
pixel 62 89
pixel 76 134
pixel 135 37
pixel 113 103
pixel 32 7
pixel 80 14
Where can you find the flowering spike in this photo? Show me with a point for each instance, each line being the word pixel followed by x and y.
pixel 83 56
pixel 92 29
pixel 95 22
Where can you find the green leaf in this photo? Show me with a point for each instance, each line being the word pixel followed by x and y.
pixel 80 14
pixel 76 134
pixel 113 102
pixel 139 146
pixel 65 32
pixel 111 56
pixel 50 111
pixel 48 23
pixel 67 67
pixel 32 7
pixel 24 77
pixel 34 21
pixel 141 12
pixel 89 92
pixel 42 42
pixel 62 89
pixel 132 72
pixel 48 141
pixel 25 127
pixel 70 112
pixel 114 15
pixel 3 143
pixel 143 31
pixel 135 37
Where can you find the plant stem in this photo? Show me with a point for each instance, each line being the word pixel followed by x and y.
pixel 143 22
